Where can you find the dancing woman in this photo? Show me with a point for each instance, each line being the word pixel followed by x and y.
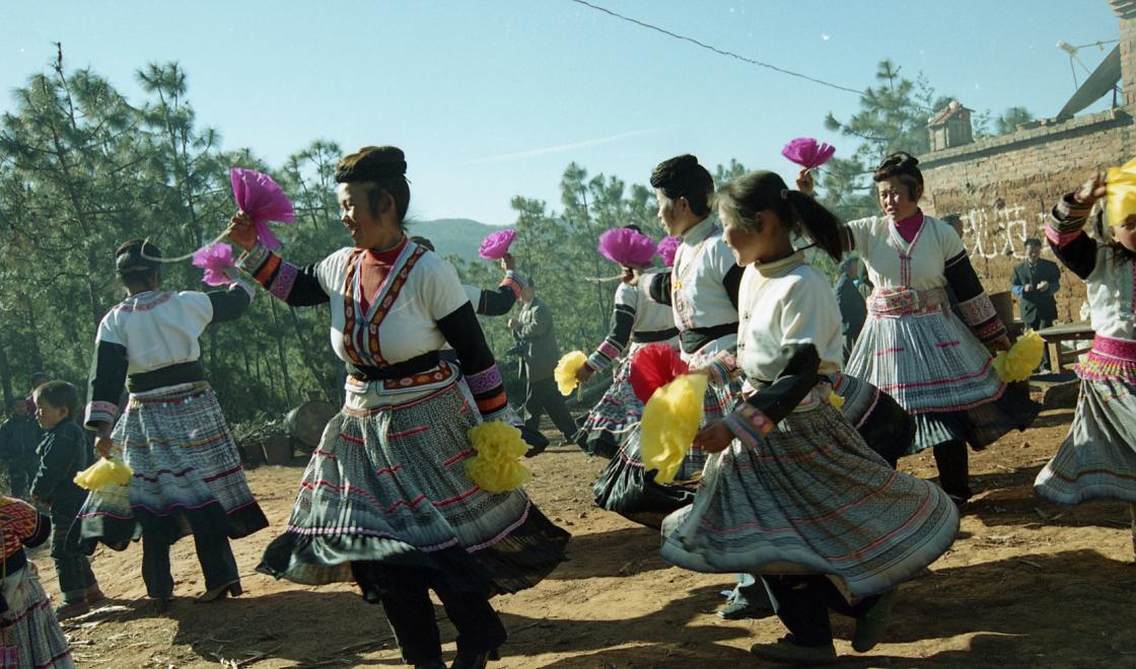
pixel 386 501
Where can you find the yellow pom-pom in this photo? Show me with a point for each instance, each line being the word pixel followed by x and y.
pixel 835 400
pixel 104 473
pixel 496 468
pixel 1120 198
pixel 670 421
pixel 1024 356
pixel 566 369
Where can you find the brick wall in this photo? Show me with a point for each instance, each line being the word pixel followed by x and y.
pixel 1004 186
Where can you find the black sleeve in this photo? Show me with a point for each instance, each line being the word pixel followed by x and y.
pixel 1078 254
pixel 42 531
pixel 297 286
pixel 496 302
pixel 780 398
pixel 229 304
pixel 107 382
pixel 660 288
pixel 733 282
pixel 973 303
pixel 58 454
pixel 463 333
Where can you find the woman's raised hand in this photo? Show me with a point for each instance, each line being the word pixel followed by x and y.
pixel 241 231
pixel 1092 190
pixel 805 181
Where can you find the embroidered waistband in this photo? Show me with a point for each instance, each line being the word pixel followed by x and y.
pixel 904 301
pixel 1110 358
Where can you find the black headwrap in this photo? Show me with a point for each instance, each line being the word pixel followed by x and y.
pixel 137 255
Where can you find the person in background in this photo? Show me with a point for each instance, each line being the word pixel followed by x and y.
pixel 63 454
pixel 19 436
pixel 1034 283
pixel 853 311
pixel 535 333
pixel 36 380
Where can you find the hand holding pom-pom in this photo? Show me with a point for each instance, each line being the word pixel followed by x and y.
pixel 565 372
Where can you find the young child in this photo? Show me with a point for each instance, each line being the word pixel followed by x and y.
pixel 63 453
pixel 1098 458
pixel 30 629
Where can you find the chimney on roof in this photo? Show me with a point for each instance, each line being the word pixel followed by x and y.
pixel 950 127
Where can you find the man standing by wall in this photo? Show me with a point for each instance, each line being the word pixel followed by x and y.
pixel 536 343
pixel 1034 283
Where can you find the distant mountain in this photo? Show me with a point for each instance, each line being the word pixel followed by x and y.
pixel 456 236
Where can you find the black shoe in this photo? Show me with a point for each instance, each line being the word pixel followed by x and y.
pixel 787 651
pixel 220 592
pixel 436 663
pixel 535 451
pixel 473 661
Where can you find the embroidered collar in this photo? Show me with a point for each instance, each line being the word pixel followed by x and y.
pixel 781 266
pixel 700 231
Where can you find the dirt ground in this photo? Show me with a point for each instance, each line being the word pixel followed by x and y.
pixel 1026 584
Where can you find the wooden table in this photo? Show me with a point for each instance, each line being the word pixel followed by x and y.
pixel 1053 337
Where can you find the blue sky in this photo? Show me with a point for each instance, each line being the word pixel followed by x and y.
pixel 492 99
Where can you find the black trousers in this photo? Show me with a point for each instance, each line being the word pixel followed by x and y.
pixel 953 460
pixel 543 395
pixel 405 596
pixel 213 552
pixel 803 602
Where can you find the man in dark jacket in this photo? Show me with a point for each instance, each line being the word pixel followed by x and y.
pixel 19 436
pixel 536 342
pixel 1034 283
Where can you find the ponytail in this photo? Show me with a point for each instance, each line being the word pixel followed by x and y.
pixel 818 222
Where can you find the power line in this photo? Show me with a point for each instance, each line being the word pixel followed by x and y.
pixel 722 52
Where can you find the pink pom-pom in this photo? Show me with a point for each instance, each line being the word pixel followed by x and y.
pixel 496 245
pixel 667 249
pixel 807 152
pixel 626 247
pixel 263 200
pixel 215 259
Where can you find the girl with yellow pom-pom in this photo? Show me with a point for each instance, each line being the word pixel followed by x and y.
pixel 791 491
pixel 1098 458
pixel 635 323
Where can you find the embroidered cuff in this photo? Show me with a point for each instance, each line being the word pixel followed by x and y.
pixel 977 310
pixel 282 283
pixel 1058 238
pixel 598 362
pixel 989 331
pixel 513 282
pixel 250 261
pixel 749 425
pixel 100 412
pixel 485 381
pixel 1068 214
pixel 722 368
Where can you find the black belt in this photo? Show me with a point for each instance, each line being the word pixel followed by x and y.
pixel 415 365
pixel 653 336
pixel 171 375
pixel 695 338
